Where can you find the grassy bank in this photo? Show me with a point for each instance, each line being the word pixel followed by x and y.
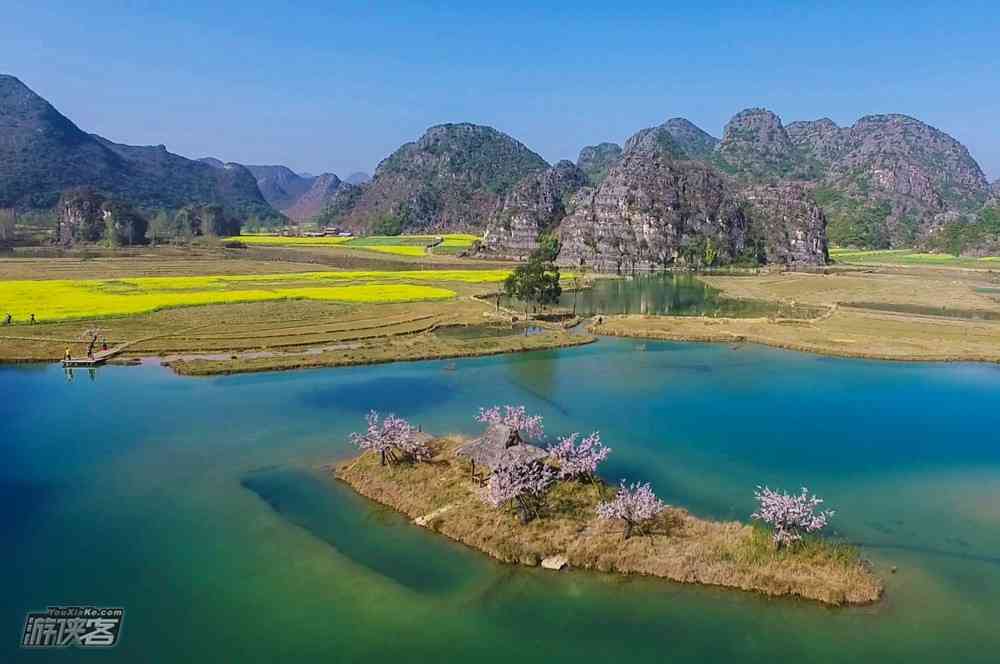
pixel 679 547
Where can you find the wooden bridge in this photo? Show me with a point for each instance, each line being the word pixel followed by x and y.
pixel 97 359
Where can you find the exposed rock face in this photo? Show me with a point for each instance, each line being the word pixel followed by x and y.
pixel 81 218
pixel 316 198
pixel 789 227
pixel 536 205
pixel 43 154
pixel 452 178
pixel 696 143
pixel 756 146
pixel 652 211
pixel 883 182
pixel 597 160
pixel 87 216
pixel 821 139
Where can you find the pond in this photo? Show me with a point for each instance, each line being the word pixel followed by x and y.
pixel 198 506
pixel 671 294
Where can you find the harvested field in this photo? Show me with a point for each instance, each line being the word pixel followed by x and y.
pixel 679 546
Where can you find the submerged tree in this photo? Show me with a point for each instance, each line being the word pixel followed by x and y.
pixel 579 460
pixel 790 516
pixel 636 505
pixel 521 483
pixel 516 417
pixel 392 438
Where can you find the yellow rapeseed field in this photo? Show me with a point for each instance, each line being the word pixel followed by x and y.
pixel 400 245
pixel 91 298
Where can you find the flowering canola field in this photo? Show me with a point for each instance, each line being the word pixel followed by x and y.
pixel 65 299
pixel 400 245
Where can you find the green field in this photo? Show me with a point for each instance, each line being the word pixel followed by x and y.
pixel 911 257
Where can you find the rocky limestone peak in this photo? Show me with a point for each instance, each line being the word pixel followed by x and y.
pixel 653 211
pixel 316 198
pixel 897 148
pixel 535 206
pixel 452 177
pixel 821 140
pixel 655 140
pixel 756 146
pixel 696 142
pixel 597 160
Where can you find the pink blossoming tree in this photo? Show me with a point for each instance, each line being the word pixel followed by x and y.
pixel 516 417
pixel 636 505
pixel 392 438
pixel 579 460
pixel 790 516
pixel 521 484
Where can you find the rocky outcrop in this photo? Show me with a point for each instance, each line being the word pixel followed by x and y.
pixel 535 206
pixel 597 160
pixel 81 217
pixel 889 180
pixel 787 226
pixel 452 178
pixel 696 142
pixel 653 210
pixel 821 140
pixel 756 147
pixel 87 216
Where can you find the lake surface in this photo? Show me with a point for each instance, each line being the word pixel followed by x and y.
pixel 664 293
pixel 195 504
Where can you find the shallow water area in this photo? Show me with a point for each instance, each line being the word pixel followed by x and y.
pixel 198 504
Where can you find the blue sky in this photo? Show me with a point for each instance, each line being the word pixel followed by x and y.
pixel 338 85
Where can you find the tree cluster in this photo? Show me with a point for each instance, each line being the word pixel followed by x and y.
pixel 634 504
pixel 790 516
pixel 392 438
pixel 535 282
pixel 516 417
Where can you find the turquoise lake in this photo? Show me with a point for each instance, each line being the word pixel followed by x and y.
pixel 198 506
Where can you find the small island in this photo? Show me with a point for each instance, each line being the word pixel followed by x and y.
pixel 523 504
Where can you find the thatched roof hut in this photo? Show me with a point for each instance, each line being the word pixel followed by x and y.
pixel 500 444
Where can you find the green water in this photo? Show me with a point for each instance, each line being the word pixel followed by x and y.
pixel 671 294
pixel 194 504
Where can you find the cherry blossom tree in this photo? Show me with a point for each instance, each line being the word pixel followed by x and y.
pixel 392 438
pixel 636 505
pixel 516 417
pixel 790 516
pixel 579 460
pixel 523 484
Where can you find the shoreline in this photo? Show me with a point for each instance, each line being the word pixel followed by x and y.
pixel 727 335
pixel 679 547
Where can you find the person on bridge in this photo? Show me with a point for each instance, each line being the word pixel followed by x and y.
pixel 7 320
pixel 32 319
pixel 67 356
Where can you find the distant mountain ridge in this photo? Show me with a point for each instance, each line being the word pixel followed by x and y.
pixel 43 154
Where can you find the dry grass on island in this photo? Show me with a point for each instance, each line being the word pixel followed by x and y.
pixel 678 546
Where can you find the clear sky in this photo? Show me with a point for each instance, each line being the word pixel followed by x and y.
pixel 338 85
